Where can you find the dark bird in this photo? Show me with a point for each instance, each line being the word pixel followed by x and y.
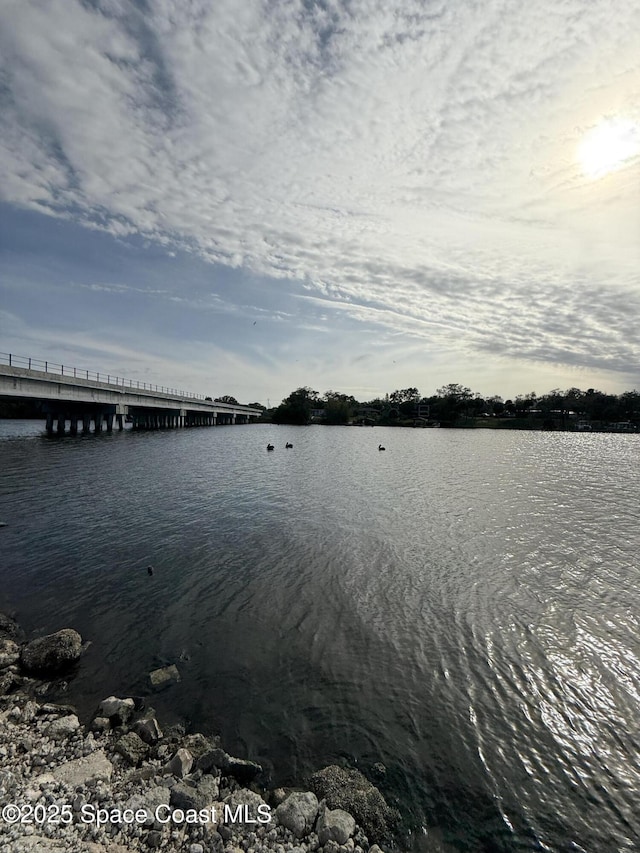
pixel 380 447
pixel 149 570
pixel 269 446
pixel 288 444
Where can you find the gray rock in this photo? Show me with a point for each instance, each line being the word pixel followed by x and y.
pixel 149 801
pixel 298 812
pixel 242 770
pixel 52 653
pixel 214 759
pixel 132 748
pixel 148 730
pixel 334 825
pixel 119 711
pixel 63 727
pixel 7 682
pixel 100 724
pixel 244 802
pixel 180 764
pixel 9 652
pixel 9 629
pixel 164 677
pixel 154 839
pixel 184 796
pixel 80 771
pixel 354 793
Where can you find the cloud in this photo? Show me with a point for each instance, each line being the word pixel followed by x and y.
pixel 411 164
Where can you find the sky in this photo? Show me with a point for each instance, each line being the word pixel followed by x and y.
pixel 247 196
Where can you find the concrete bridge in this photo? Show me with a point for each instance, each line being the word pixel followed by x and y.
pixel 82 397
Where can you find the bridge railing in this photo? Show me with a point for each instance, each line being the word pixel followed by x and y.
pixel 81 373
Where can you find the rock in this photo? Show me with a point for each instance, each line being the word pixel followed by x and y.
pixel 149 800
pixel 244 803
pixel 180 764
pixel 8 680
pixel 298 812
pixel 334 825
pixel 164 677
pixel 214 759
pixel 80 771
pixel 154 839
pixel 132 748
pixel 184 796
pixel 63 727
pixel 9 629
pixel 242 770
pixel 278 795
pixel 100 724
pixel 354 793
pixel 9 652
pixel 148 730
pixel 52 653
pixel 119 711
pixel 198 744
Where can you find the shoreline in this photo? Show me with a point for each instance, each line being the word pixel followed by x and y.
pixel 122 783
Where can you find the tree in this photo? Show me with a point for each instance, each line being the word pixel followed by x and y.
pixel 451 402
pixel 226 399
pixel 339 408
pixel 296 408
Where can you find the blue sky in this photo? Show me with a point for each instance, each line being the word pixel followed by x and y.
pixel 244 196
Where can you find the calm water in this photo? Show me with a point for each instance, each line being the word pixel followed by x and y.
pixel 463 607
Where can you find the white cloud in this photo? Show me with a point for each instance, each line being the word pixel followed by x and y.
pixel 414 164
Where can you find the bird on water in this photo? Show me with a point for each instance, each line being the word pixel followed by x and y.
pixel 380 447
pixel 269 446
pixel 288 444
pixel 149 570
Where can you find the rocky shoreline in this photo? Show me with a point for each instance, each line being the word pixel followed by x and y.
pixel 122 783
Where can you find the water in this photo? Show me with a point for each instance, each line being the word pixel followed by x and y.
pixel 462 607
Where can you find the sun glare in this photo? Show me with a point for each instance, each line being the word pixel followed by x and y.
pixel 608 146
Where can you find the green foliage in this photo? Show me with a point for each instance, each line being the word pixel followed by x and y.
pixel 296 408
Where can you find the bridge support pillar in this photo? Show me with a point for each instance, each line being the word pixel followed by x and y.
pixel 49 423
pixel 73 425
pixel 62 422
pixel 109 422
pixel 97 420
pixel 86 423
pixel 119 420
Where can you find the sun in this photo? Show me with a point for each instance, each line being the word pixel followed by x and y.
pixel 608 146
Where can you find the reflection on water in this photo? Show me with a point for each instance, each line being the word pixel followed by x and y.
pixel 463 607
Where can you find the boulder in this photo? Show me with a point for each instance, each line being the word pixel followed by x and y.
pixel 9 652
pixel 242 810
pixel 298 812
pixel 9 629
pixel 164 677
pixel 80 771
pixel 148 730
pixel 119 711
pixel 52 653
pixel 132 748
pixel 354 793
pixel 180 764
pixel 334 825
pixel 63 727
pixel 200 796
pixel 242 770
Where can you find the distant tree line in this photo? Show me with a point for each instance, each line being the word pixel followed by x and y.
pixel 454 403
